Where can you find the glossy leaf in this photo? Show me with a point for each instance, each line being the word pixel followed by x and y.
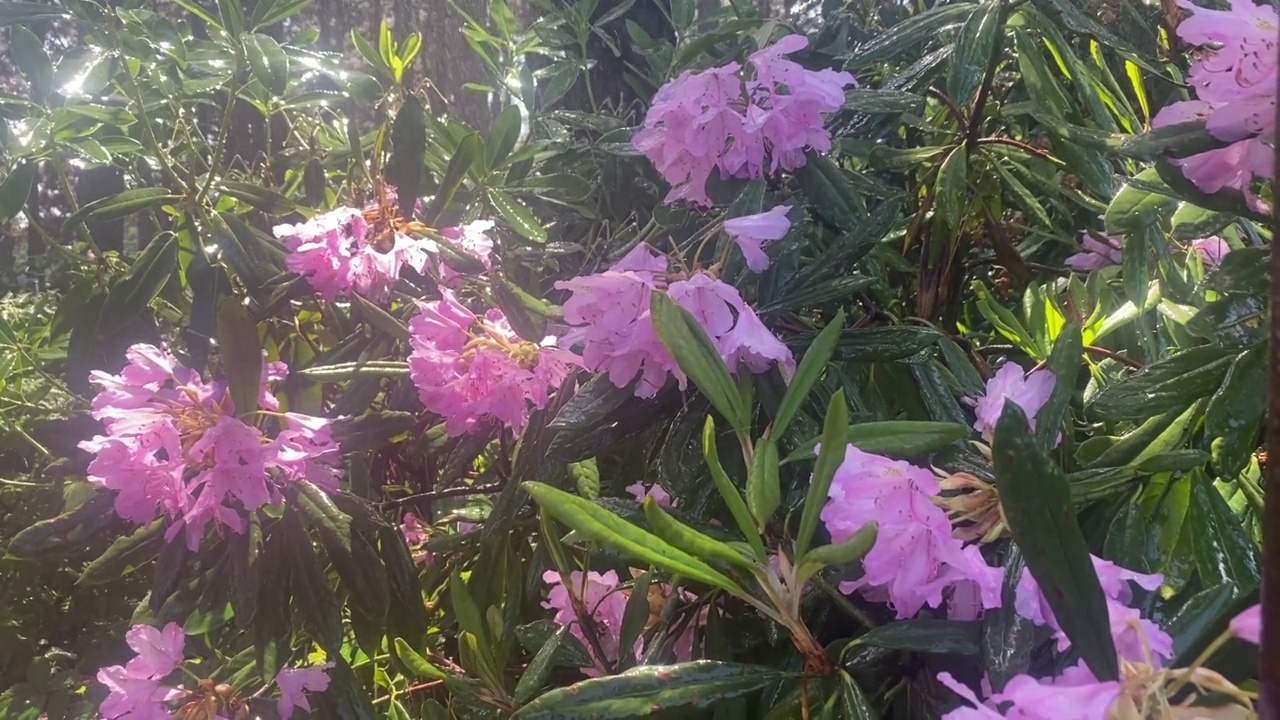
pixel 518 215
pixel 1224 551
pixel 834 443
pixel 121 205
pixel 926 635
pixel 764 490
pixel 698 358
pixel 690 540
pixel 1167 385
pixel 1036 501
pixel 1234 417
pixel 644 690
pixel 810 369
pixel 15 189
pixel 728 491
pixel 602 526
pixel 269 63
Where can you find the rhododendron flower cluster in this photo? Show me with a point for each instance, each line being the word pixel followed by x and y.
pixel 740 122
pixel 174 446
pixel 1235 82
pixel 469 368
pixel 655 491
pixel 604 602
pixel 295 683
pixel 346 251
pixel 609 314
pixel 1136 638
pixel 1029 392
pixel 136 688
pixel 915 557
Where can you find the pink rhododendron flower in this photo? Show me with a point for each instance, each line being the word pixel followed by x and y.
pixel 1029 392
pixel 133 698
pixel 295 683
pixel 605 603
pixel 609 316
pixel 655 491
pixel 739 122
pixel 175 447
pixel 752 232
pixel 412 530
pixel 1235 80
pixel 1131 632
pixel 159 651
pixel 468 368
pixel 1248 625
pixel 1074 695
pixel 1211 250
pixel 915 558
pixel 1097 253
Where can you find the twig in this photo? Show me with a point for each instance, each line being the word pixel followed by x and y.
pixel 1113 355
pixel 447 492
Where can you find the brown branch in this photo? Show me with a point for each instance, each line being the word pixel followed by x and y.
pixel 438 494
pixel 1113 355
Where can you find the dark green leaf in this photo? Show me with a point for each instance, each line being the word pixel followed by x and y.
pixel 884 344
pixel 874 101
pixel 65 533
pixel 22 13
pixel 1242 271
pixel 906 35
pixel 1170 384
pixel 125 555
pixel 265 199
pixel 1224 551
pixel 406 169
pixel 1007 637
pixel 268 62
pixel 502 137
pixel 1036 500
pixel 15 189
pixel 232 14
pixel 1233 420
pixel 1192 222
pixel 973 51
pixel 698 358
pixel 831 193
pixel 270 12
pixel 469 150
pixel 517 215
pixel 1064 362
pixel 33 61
pixel 834 442
pixel 1143 198
pixel 543 662
pixel 1200 619
pixel 241 352
pixel 644 690
pixel 120 205
pixel 927 635
pixel 808 372
pixel 900 438
pixel 318 607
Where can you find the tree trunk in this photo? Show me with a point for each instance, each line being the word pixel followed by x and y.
pixel 448 60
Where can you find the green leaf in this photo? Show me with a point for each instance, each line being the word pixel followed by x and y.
pixel 835 440
pixel 232 14
pixel 59 535
pixel 904 36
pixel 698 358
pixel 1143 198
pixel 807 373
pixel 417 664
pixel 877 101
pixel 951 191
pixel 194 7
pixel 502 137
pixel 900 438
pixel 643 691
pixel 131 294
pixel 732 498
pixel 1192 222
pixel 602 526
pixel 1170 384
pixel 22 13
pixel 352 370
pixel 764 489
pixel 367 51
pixel 535 675
pixel 241 352
pixel 270 12
pixel 846 552
pixel 15 189
pixel 973 51
pixel 517 215
pixel 318 607
pixel 469 150
pixel 927 635
pixel 1064 362
pixel 1036 500
pixel 268 62
pixel 1223 550
pixel 832 194
pixel 1234 417
pixel 120 205
pixel 33 61
pixel 690 540
pixel 406 169
pixel 1243 271
pixel 125 555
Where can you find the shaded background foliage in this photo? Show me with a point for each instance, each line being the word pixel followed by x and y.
pixel 962 174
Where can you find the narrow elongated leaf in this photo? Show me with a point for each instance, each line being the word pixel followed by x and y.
pixel 698 358
pixel 22 13
pixel 241 353
pixel 732 498
pixel 66 532
pixel 1223 550
pixel 900 438
pixel 264 199
pixel 268 62
pixel 906 35
pixel 927 635
pixel 835 438
pixel 469 150
pixel 1170 384
pixel 808 372
pixel 406 169
pixel 974 46
pixel 1064 362
pixel 539 668
pixel 15 189
pixel 518 215
pixel 691 541
pixel 29 55
pixel 832 193
pixel 1036 500
pixel 764 489
pixel 502 137
pixel 645 690
pixel 125 555
pixel 121 205
pixel 846 552
pixel 1234 416
pixel 132 293
pixel 602 526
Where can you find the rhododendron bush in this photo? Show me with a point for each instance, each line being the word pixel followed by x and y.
pixel 746 360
